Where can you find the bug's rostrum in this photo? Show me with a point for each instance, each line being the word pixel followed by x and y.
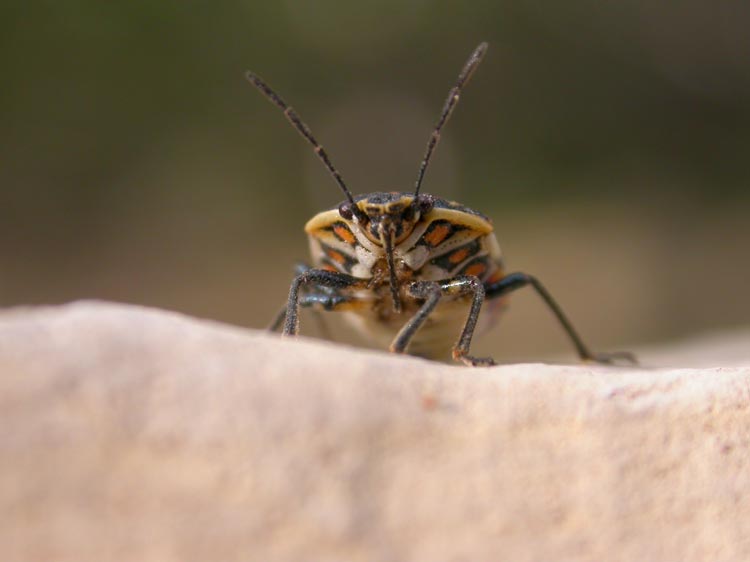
pixel 387 233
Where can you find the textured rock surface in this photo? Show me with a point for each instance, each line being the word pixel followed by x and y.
pixel 136 434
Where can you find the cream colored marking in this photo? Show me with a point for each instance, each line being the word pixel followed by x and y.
pixel 327 218
pixel 432 272
pixel 456 241
pixel 322 220
pixel 417 257
pixel 462 218
pixel 493 248
pixel 414 236
pixel 361 271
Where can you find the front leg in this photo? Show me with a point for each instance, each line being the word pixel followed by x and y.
pixel 317 302
pixel 330 280
pixel 432 292
pixel 321 297
pixel 278 320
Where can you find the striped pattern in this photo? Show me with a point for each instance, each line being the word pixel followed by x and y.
pixel 435 251
pixel 463 251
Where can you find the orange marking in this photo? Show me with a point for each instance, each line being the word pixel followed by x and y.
pixel 437 234
pixel 344 233
pixel 329 267
pixel 459 255
pixel 495 277
pixel 338 257
pixel 475 269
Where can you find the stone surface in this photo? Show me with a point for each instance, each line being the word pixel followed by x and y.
pixel 137 434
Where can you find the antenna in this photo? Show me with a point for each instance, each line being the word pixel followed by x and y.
pixel 303 130
pixel 450 104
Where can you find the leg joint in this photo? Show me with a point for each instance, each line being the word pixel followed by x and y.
pixel 424 289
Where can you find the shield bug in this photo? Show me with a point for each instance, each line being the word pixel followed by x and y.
pixel 411 270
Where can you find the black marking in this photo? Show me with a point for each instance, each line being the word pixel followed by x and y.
pixel 384 198
pixel 327 253
pixel 452 205
pixel 448 261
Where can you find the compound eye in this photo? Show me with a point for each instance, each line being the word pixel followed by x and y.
pixel 346 211
pixel 425 203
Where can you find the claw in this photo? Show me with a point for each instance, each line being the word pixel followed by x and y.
pixel 609 358
pixel 475 361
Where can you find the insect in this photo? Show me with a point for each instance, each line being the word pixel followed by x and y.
pixel 411 270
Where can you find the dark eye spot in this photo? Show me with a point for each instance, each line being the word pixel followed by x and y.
pixel 345 210
pixel 425 203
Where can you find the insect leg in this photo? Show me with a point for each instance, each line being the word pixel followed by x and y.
pixel 514 281
pixel 432 291
pixel 462 285
pixel 323 279
pixel 315 302
pixel 278 320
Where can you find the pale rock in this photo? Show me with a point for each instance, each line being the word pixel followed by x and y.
pixel 136 434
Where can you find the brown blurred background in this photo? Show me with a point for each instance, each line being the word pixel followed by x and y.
pixel 607 140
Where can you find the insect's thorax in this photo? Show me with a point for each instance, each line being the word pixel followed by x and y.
pixel 446 241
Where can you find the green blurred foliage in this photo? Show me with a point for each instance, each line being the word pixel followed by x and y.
pixel 138 165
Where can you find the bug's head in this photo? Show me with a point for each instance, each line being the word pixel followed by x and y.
pixel 387 216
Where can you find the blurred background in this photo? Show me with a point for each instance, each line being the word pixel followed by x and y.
pixel 607 140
